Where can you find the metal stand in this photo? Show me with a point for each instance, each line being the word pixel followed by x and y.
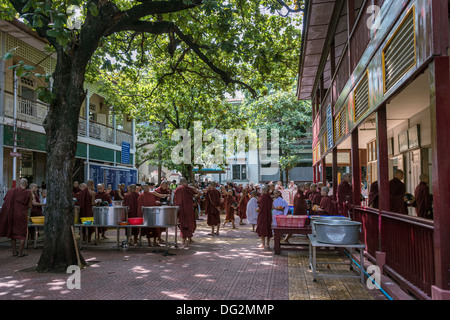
pixel 313 245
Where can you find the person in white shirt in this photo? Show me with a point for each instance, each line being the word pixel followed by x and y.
pixel 280 206
pixel 252 214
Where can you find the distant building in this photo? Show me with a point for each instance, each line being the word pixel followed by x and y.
pixel 102 135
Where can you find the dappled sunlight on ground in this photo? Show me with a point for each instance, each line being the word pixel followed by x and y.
pixel 225 267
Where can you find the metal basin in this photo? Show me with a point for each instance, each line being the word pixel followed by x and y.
pixel 109 216
pixel 340 232
pixel 324 218
pixel 161 216
pixel 76 214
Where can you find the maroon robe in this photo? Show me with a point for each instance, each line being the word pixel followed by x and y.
pixel 423 200
pixel 229 210
pixel 212 203
pixel 264 222
pixel 344 193
pixel 373 195
pixel 146 199
pixel 85 203
pixel 328 206
pixel 161 191
pixel 76 190
pixel 36 211
pixel 397 190
pixel 308 194
pixel 242 210
pixel 300 205
pixel 118 195
pixel 131 201
pixel 14 214
pixel 104 197
pixel 315 198
pixel 183 198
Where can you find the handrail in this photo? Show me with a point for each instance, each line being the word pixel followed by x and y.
pixel 420 222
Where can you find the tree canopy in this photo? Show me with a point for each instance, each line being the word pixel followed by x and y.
pixel 191 52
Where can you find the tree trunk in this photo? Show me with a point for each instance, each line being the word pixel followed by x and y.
pixel 61 126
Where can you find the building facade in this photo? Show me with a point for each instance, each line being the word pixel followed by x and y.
pixel 377 73
pixel 106 146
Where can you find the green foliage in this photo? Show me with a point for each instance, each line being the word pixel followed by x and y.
pixel 282 111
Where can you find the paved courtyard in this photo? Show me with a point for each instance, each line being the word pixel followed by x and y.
pixel 225 267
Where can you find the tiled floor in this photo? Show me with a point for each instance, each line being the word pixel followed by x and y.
pixel 227 267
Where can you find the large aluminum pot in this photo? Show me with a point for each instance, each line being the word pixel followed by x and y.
pixel 76 215
pixel 313 219
pixel 109 216
pixel 161 216
pixel 118 203
pixel 340 232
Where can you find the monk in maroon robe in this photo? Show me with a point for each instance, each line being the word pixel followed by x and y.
pixel 230 208
pixel 149 198
pixel 163 189
pixel 264 222
pixel 76 188
pixel 327 205
pixel 373 195
pixel 36 208
pixel 119 194
pixel 344 193
pixel 183 198
pixel 315 196
pixel 212 208
pixel 131 201
pixel 104 197
pixel 300 205
pixel 14 216
pixel 397 191
pixel 242 206
pixel 423 204
pixel 86 200
pixel 307 190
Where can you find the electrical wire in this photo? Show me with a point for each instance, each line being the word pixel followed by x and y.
pixel 370 277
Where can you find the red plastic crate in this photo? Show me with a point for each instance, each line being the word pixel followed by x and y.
pixel 291 221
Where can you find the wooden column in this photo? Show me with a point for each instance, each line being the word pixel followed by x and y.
pixel 314 174
pixel 440 115
pixel 335 172
pixel 324 171
pixel 383 166
pixel 356 169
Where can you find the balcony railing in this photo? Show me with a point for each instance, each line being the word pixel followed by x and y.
pixel 408 244
pixel 369 229
pixel 34 112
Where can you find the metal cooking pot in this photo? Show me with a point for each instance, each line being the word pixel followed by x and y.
pixel 324 218
pixel 118 203
pixel 76 214
pixel 340 232
pixel 109 216
pixel 161 216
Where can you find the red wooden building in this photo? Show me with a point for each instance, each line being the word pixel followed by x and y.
pixel 378 75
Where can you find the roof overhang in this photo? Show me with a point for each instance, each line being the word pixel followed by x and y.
pixel 19 30
pixel 316 22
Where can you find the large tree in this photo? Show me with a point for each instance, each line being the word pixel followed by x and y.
pixel 281 110
pixel 236 40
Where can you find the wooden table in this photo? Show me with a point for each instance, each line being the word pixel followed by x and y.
pixel 278 232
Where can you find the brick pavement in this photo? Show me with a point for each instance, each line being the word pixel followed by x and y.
pixel 225 267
